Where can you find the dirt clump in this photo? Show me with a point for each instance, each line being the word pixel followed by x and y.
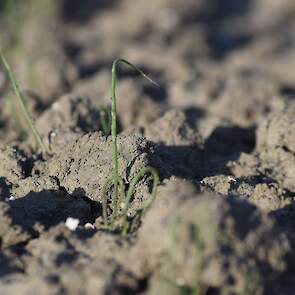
pixel 85 165
pixel 275 144
pixel 195 238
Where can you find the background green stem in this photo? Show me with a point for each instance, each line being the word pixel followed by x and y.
pixel 22 104
pixel 105 120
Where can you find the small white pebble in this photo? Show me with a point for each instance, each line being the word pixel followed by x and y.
pixel 56 106
pixel 232 179
pixel 72 223
pixel 52 133
pixel 88 225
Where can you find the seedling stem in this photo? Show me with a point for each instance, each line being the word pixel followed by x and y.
pixel 116 180
pixel 22 104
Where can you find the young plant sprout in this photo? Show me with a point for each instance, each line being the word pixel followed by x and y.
pixel 23 106
pixel 116 181
pixel 105 120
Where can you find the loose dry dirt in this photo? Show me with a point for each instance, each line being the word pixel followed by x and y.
pixel 219 129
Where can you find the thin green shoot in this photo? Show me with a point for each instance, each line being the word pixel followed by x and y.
pixel 115 181
pixel 22 103
pixel 131 189
pixel 114 121
pixel 105 189
pixel 105 120
pixel 128 197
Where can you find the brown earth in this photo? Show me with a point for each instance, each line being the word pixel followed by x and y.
pixel 219 130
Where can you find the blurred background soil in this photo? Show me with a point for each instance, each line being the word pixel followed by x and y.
pixel 219 129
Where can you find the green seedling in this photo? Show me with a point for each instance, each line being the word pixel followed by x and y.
pixel 116 181
pixel 105 120
pixel 22 102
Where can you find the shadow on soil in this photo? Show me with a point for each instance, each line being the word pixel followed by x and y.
pixel 5 266
pixel 49 208
pixel 196 162
pixel 82 11
pixel 39 211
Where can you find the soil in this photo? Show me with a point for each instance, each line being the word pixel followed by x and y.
pixel 218 129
